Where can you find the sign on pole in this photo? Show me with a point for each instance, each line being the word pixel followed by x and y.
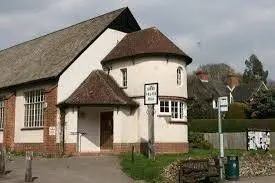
pixel 151 94
pixel 223 102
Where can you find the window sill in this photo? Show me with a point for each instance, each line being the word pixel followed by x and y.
pixel 164 115
pixel 34 128
pixel 123 87
pixel 178 122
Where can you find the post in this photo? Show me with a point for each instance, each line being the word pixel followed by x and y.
pixel 133 154
pixel 151 134
pixel 220 139
pixel 28 166
pixel 3 161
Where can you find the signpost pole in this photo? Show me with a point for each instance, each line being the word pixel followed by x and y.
pixel 220 138
pixel 151 134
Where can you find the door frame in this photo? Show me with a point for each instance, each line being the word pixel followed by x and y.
pixel 100 134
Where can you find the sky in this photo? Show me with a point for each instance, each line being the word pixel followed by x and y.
pixel 210 31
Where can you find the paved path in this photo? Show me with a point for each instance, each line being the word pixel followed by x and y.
pixel 267 179
pixel 93 169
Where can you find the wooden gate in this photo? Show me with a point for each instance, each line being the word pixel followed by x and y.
pixel 106 130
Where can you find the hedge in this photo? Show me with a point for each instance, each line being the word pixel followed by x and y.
pixel 230 125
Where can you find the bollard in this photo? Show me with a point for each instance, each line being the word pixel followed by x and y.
pixel 28 166
pixel 3 161
pixel 133 154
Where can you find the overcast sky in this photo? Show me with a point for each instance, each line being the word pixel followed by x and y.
pixel 210 31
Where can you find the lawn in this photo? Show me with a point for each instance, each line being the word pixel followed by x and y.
pixel 150 170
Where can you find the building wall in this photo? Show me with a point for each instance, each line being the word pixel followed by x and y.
pixel 88 61
pixel 23 135
pixel 150 70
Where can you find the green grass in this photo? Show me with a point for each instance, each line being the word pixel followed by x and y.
pixel 150 170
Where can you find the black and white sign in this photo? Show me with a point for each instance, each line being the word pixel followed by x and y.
pixel 151 94
pixel 223 102
pixel 258 140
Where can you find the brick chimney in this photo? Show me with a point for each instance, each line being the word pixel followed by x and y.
pixel 232 80
pixel 202 75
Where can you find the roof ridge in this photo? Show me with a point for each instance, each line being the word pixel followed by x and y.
pixel 120 9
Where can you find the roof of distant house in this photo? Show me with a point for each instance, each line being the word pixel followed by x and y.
pixel 48 56
pixel 244 91
pixel 99 89
pixel 144 42
pixel 205 90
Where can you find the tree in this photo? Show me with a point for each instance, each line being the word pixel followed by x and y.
pixel 217 72
pixel 200 109
pixel 254 70
pixel 262 105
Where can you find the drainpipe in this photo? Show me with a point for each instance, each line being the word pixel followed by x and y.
pixel 62 131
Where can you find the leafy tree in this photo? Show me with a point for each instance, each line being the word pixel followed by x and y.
pixel 217 72
pixel 262 105
pixel 199 109
pixel 254 70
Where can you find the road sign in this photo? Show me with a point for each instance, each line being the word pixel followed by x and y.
pixel 151 94
pixel 223 102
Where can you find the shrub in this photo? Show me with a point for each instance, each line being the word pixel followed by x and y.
pixel 196 140
pixel 237 110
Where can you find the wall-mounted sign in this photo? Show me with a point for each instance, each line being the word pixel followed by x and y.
pixel 151 94
pixel 258 140
pixel 52 130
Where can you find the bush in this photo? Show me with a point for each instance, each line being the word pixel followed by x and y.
pixel 237 110
pixel 230 125
pixel 196 140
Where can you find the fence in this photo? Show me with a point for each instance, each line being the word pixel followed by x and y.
pixel 234 140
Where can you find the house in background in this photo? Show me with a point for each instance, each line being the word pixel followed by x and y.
pixel 80 89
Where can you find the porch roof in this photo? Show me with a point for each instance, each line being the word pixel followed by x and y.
pixel 99 89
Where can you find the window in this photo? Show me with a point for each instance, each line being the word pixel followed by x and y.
pixel 164 107
pixel 34 109
pixel 124 77
pixel 177 109
pixel 179 76
pixel 1 114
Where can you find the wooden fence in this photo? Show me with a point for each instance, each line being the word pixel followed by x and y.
pixel 234 140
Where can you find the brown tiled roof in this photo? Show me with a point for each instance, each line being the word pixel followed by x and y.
pixel 143 42
pixel 99 89
pixel 48 56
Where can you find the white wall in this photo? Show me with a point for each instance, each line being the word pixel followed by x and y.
pixel 88 61
pixel 25 136
pixel 125 126
pixel 89 123
pixel 151 69
pixel 1 137
pixel 71 120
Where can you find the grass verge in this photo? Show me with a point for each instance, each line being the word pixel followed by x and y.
pixel 150 170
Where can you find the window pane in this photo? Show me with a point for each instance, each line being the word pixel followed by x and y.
pixel 34 101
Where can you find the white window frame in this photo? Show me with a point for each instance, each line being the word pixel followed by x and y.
pixel 34 108
pixel 169 108
pixel 2 110
pixel 181 110
pixel 179 76
pixel 124 77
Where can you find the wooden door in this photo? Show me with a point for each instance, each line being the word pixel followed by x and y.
pixel 106 130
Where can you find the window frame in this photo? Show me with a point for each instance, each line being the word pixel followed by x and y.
pixel 34 103
pixel 124 82
pixel 179 76
pixel 177 110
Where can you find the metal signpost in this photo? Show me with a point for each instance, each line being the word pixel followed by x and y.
pixel 150 99
pixel 222 107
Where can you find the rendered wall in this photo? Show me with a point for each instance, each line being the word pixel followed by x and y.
pixel 88 61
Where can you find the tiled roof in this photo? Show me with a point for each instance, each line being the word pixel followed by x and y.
pixel 205 90
pixel 48 56
pixel 244 91
pixel 99 89
pixel 143 42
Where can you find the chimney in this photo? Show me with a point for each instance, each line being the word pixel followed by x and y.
pixel 202 75
pixel 232 80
